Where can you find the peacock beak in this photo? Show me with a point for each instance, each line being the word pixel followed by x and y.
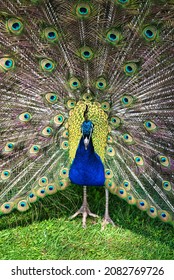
pixel 86 143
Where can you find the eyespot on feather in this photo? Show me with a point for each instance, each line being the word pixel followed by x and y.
pixel 15 26
pixel 5 174
pixel 22 206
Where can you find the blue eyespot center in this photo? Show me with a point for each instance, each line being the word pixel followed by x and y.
pixel 48 65
pixel 100 84
pixel 129 69
pixel 42 191
pixel 83 11
pixel 112 37
pixel 126 184
pixel 148 124
pixel 149 33
pixel 126 137
pixel 86 54
pixel 152 210
pixel 121 192
pixel 43 180
pixel 35 148
pixel 130 197
pixel 163 159
pixel 7 206
pixel 9 63
pixel 142 203
pixel 138 159
pixel 166 185
pixel 75 84
pixel 10 146
pixel 125 100
pixel 22 204
pixel 51 188
pixel 26 116
pixel 16 26
pixel 6 173
pixel 51 35
pixel 31 195
pixel 163 215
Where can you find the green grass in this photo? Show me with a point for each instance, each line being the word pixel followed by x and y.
pixel 45 232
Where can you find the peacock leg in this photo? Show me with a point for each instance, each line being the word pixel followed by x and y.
pixel 84 210
pixel 107 219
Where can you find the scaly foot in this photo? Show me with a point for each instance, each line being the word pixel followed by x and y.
pixel 107 220
pixel 85 211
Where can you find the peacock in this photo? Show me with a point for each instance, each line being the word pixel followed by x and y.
pixel 86 98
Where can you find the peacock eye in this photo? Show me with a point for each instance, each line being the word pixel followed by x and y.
pixel 50 34
pixel 130 68
pixel 164 161
pixel 47 65
pixel 109 184
pixel 108 173
pixel 113 36
pixel 58 119
pixel 150 126
pixel 150 33
pixel 126 185
pixel 74 83
pixel 23 206
pixel 51 189
pixel 105 106
pixel 115 121
pixel 7 207
pixel 87 96
pixel 32 197
pixel 142 204
pixel 109 139
pixel 83 10
pixel 101 84
pixel 51 97
pixel 111 151
pixel 71 104
pixel 14 26
pixel 139 160
pixel 127 100
pixel 34 149
pixel 166 185
pixel 5 174
pixel 128 139
pixel 164 215
pixel 65 134
pixel 47 131
pixel 9 147
pixel 65 145
pixel 64 172
pixel 86 53
pixel 43 181
pixel 41 192
pixel 6 64
pixel 25 117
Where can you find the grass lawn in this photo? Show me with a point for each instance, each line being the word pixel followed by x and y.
pixel 45 232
